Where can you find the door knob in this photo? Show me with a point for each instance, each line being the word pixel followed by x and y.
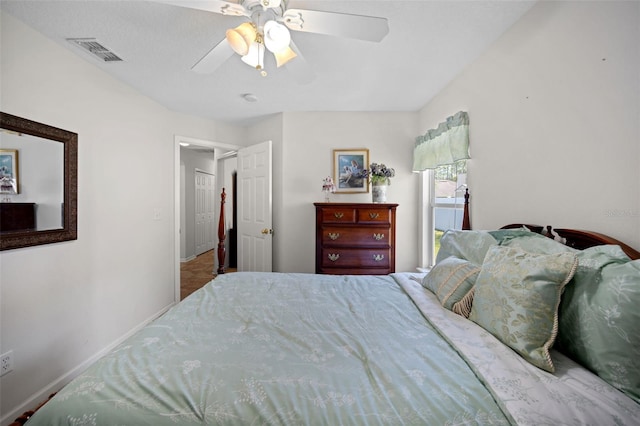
pixel 266 231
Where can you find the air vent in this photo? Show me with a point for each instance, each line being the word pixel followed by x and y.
pixel 92 46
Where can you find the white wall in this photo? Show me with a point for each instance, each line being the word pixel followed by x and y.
pixel 303 156
pixel 61 304
pixel 308 141
pixel 554 108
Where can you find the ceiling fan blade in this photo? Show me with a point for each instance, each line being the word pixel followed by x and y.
pixel 216 6
pixel 360 27
pixel 299 68
pixel 214 58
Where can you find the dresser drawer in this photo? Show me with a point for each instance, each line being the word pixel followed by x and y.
pixel 374 215
pixel 351 236
pixel 338 215
pixel 344 258
pixel 356 271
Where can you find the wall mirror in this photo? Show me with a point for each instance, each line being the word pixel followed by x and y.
pixel 38 183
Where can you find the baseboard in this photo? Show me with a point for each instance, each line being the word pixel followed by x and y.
pixel 38 397
pixel 188 259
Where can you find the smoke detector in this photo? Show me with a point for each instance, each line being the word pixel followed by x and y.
pixel 250 97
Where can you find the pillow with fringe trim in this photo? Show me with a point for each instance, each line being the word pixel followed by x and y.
pixel 452 280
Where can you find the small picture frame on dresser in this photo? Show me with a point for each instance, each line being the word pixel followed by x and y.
pixel 348 167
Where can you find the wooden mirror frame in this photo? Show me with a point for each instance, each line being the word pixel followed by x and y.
pixel 69 231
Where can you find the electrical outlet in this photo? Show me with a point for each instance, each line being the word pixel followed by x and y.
pixel 6 363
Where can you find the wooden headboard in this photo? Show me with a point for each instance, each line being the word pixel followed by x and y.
pixel 577 238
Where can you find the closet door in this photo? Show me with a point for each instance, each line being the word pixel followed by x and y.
pixel 204 210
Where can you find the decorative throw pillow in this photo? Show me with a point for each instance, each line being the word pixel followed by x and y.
pixel 535 243
pixel 517 296
pixel 452 282
pixel 467 245
pixel 502 235
pixel 600 320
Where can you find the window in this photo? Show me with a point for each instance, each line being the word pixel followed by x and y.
pixel 442 206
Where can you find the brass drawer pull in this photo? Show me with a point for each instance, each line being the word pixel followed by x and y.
pixel 378 237
pixel 374 215
pixel 378 257
pixel 334 235
pixel 338 215
pixel 333 256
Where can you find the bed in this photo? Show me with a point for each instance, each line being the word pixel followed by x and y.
pixel 406 348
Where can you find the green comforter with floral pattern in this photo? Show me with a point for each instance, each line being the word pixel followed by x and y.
pixel 292 349
pixel 255 348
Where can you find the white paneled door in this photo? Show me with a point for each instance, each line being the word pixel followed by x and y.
pixel 205 217
pixel 255 231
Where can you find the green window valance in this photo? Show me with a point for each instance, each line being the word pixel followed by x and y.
pixel 446 144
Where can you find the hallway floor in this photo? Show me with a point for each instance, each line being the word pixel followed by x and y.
pixel 197 272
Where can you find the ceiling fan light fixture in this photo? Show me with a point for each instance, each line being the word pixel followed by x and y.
pixel 276 36
pixel 231 9
pixel 241 37
pixel 284 56
pixel 255 56
pixel 266 4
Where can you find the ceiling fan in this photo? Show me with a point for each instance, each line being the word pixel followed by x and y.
pixel 267 29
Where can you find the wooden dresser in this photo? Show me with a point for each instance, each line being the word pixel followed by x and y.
pixel 355 238
pixel 17 217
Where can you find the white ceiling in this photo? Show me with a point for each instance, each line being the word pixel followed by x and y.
pixel 428 44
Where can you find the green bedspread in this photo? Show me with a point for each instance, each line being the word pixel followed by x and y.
pixel 253 348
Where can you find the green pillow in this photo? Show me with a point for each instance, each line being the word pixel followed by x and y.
pixel 452 282
pixel 467 245
pixel 536 243
pixel 517 296
pixel 600 317
pixel 502 235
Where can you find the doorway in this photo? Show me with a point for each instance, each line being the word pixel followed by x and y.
pixel 217 151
